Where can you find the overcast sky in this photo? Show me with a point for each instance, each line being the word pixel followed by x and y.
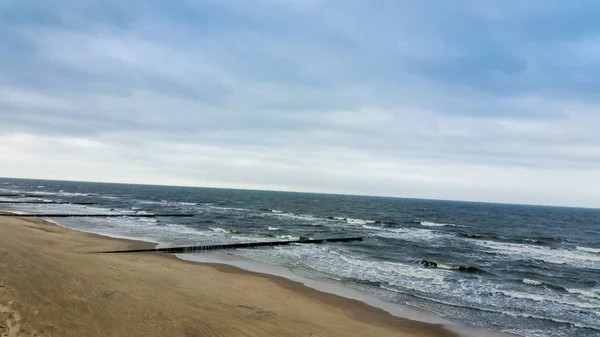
pixel 469 100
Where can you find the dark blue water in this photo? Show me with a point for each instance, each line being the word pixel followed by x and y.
pixel 529 270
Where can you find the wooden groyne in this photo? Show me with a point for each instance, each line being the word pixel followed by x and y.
pixel 23 195
pixel 51 215
pixel 46 202
pixel 190 249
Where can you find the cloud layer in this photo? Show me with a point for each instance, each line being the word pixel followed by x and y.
pixel 469 100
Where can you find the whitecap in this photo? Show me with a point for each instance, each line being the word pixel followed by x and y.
pixel 436 224
pixel 372 227
pixel 226 208
pixel 288 237
pixel 584 292
pixel 274 228
pixel 550 255
pixel 359 221
pixel 541 298
pixel 276 211
pixel 532 282
pixel 589 250
pixel 221 230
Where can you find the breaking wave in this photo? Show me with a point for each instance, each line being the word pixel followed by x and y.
pixel 591 293
pixel 589 250
pixel 442 265
pixel 221 230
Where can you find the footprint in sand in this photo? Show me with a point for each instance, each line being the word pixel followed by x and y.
pixel 9 320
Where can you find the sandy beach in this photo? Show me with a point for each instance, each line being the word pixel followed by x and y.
pixel 52 284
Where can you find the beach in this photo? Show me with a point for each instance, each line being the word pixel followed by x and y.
pixel 54 283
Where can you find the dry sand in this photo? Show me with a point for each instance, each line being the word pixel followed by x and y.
pixel 52 285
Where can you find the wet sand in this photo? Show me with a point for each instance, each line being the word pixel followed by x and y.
pixel 52 284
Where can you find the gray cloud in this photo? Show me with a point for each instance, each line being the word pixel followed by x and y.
pixel 469 102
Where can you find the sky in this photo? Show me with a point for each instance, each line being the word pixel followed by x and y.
pixel 465 100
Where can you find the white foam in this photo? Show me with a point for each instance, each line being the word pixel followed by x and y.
pixel 302 217
pixel 276 211
pixel 589 250
pixel 228 208
pixel 447 266
pixel 433 224
pixel 359 222
pixel 372 227
pixel 556 256
pixel 532 282
pixel 436 224
pixel 274 228
pixel 188 203
pixel 287 237
pixel 584 292
pixel 60 193
pixel 432 238
pixel 220 230
pixel 548 298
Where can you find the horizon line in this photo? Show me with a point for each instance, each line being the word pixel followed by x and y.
pixel 305 192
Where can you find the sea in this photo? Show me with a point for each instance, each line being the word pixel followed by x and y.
pixel 532 271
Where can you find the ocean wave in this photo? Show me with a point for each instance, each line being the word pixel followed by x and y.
pixel 372 227
pixel 276 211
pixel 544 241
pixel 521 314
pixel 434 224
pixel 60 193
pixel 187 203
pixel 589 250
pixel 471 236
pixel 301 217
pixel 547 254
pixel 432 237
pixel 508 312
pixel 548 298
pixel 227 208
pixel 532 282
pixel 583 292
pixel 273 228
pixel 110 197
pixel 290 237
pixel 221 230
pixel 352 221
pixel 442 265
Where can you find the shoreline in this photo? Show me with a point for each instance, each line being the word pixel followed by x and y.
pixel 52 286
pixel 280 273
pixel 285 278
